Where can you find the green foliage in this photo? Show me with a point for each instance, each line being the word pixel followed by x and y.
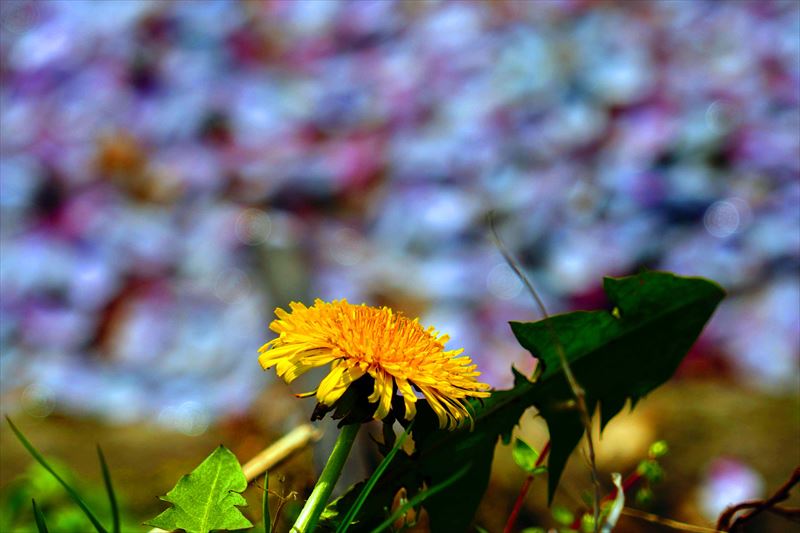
pixel 651 471
pixel 587 523
pixel 658 449
pixel 345 523
pixel 524 455
pixel 644 497
pixel 615 357
pixel 41 526
pixel 72 493
pixel 418 500
pixel 207 498
pixel 112 499
pixel 562 515
pixel 16 513
pixel 265 505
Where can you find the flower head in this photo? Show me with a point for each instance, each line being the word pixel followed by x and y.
pixel 357 340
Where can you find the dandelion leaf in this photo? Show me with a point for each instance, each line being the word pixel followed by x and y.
pixel 207 498
pixel 616 357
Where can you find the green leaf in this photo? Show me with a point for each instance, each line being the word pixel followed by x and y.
pixel 419 498
pixel 614 358
pixel 265 505
pixel 41 526
pixel 207 498
pixel 110 490
pixel 72 493
pixel 373 479
pixel 524 455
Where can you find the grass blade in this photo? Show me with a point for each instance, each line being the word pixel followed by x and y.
pixel 421 497
pixel 110 489
pixel 353 511
pixel 37 514
pixel 265 504
pixel 74 495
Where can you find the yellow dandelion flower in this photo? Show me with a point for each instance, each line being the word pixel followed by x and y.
pixel 357 340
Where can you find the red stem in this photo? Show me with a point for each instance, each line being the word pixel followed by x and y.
pixel 543 455
pixel 523 491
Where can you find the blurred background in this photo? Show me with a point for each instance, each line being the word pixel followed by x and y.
pixel 172 171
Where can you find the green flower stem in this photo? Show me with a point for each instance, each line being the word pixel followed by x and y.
pixel 309 516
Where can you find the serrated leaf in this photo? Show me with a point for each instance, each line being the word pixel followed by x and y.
pixel 660 316
pixel 524 455
pixel 207 498
pixel 615 357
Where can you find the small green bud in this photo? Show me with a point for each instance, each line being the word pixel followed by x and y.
pixel 587 523
pixel 562 515
pixel 651 471
pixel 658 449
pixel 644 496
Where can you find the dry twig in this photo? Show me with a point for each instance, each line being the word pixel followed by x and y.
pixel 667 522
pixel 295 440
pixel 759 506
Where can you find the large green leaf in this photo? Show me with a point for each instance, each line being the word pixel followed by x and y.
pixel 659 316
pixel 617 356
pixel 207 498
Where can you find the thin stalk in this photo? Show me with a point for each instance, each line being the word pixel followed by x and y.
pixel 72 494
pixel 575 387
pixel 356 507
pixel 110 490
pixel 41 526
pixel 419 498
pixel 309 516
pixel 265 505
pixel 668 522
